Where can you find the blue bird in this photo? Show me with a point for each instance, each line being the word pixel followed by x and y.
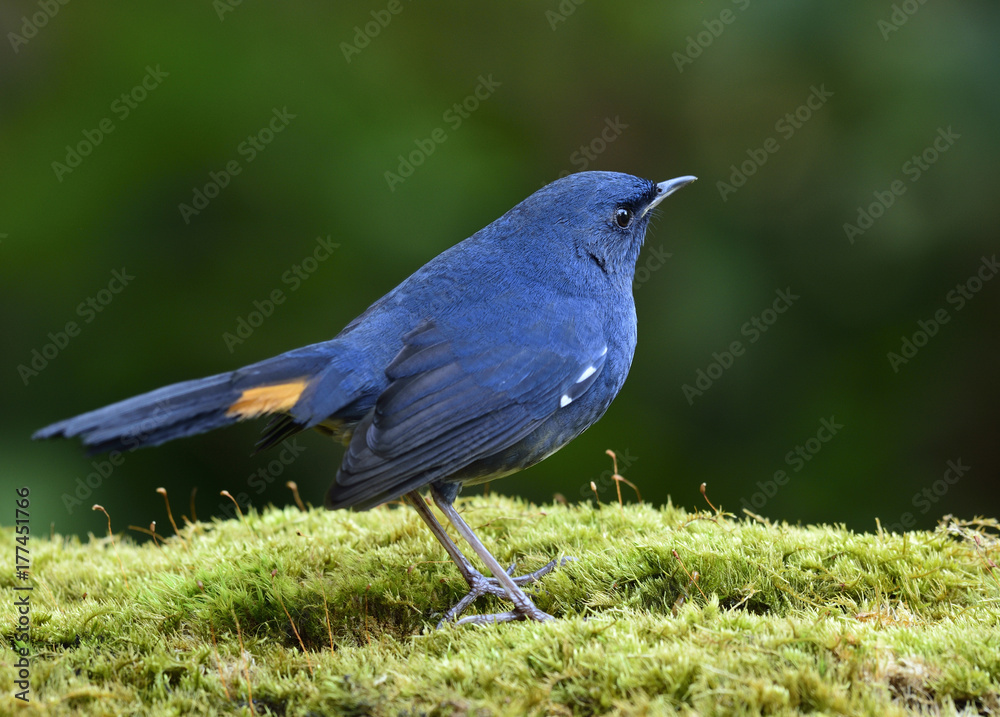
pixel 488 359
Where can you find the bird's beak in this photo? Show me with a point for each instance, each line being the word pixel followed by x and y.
pixel 665 189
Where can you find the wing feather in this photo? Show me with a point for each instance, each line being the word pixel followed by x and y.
pixel 451 402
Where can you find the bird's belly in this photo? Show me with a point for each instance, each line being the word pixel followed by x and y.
pixel 558 430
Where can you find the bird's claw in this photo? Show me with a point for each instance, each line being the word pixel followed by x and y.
pixel 480 585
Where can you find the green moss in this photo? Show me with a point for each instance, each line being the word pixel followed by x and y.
pixel 781 619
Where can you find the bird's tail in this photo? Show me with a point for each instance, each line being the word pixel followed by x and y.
pixel 273 386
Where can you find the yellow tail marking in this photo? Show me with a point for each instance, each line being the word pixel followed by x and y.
pixel 267 399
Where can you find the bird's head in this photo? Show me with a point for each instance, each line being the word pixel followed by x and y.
pixel 599 217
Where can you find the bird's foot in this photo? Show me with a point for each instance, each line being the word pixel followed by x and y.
pixel 479 584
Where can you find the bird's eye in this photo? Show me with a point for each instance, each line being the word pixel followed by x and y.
pixel 623 217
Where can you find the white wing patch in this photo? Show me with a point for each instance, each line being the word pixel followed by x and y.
pixel 586 379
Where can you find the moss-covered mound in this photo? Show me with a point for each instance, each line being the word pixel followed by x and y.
pixel 664 610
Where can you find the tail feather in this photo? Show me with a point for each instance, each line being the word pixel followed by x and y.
pixel 282 427
pixel 175 411
pixel 277 429
pixel 302 388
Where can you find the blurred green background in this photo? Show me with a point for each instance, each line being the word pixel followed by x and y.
pixel 809 111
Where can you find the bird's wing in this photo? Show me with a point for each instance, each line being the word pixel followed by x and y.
pixel 451 401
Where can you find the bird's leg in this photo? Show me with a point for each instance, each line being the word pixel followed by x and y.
pixel 478 583
pixel 470 574
pixel 523 606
